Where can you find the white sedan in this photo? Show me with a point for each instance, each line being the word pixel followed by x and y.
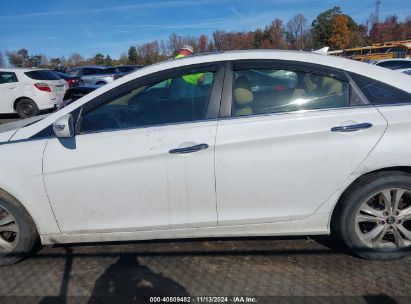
pixel 249 143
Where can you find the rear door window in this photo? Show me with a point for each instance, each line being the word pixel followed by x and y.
pixel 111 71
pixel 97 71
pixel 43 75
pixel 8 77
pixel 88 71
pixel 75 72
pixel 261 91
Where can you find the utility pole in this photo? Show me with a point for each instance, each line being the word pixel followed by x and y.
pixel 377 11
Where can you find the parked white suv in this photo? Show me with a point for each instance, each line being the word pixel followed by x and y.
pixel 28 91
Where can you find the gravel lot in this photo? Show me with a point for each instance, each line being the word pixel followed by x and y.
pixel 271 269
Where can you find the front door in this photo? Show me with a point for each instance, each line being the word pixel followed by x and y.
pixel 141 161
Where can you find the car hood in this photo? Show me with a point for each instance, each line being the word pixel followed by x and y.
pixel 7 130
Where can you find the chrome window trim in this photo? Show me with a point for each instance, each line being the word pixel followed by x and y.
pixel 147 126
pixel 393 104
pixel 300 112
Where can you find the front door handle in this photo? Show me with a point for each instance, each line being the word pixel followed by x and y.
pixel 189 149
pixel 352 128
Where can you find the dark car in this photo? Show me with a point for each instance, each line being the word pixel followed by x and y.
pixel 72 81
pixel 74 93
pixel 126 69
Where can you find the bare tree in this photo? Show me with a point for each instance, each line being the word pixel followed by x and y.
pixel 175 43
pixel 163 49
pixel 297 26
pixel 218 37
pixel 75 59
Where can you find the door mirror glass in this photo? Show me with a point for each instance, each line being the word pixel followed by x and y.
pixel 64 127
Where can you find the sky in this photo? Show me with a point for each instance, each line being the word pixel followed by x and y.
pixel 57 28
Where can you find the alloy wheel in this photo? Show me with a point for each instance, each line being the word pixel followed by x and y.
pixel 9 231
pixel 383 220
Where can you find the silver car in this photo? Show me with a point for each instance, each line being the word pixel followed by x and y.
pixel 96 75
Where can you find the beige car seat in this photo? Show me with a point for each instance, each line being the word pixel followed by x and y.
pixel 243 96
pixel 331 86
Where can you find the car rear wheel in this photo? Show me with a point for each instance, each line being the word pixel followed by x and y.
pixel 374 217
pixel 27 108
pixel 18 235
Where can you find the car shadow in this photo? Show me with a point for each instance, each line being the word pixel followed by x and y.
pixel 127 281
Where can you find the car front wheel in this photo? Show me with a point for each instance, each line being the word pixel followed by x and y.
pixel 18 235
pixel 374 217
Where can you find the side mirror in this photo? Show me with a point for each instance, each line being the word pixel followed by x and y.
pixel 64 127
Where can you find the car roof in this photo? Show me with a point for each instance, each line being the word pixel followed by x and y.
pixel 23 70
pixel 283 55
pixel 378 73
pixel 92 67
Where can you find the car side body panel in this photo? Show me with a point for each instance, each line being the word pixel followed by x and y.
pixel 15 177
pixel 21 175
pixel 394 149
pixel 282 167
pixel 133 182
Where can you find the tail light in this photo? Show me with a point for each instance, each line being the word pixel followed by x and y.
pixel 71 82
pixel 42 87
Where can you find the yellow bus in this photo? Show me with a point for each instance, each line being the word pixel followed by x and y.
pixel 387 50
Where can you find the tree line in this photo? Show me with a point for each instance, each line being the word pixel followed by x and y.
pixel 331 28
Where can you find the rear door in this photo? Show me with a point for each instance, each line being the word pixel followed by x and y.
pixel 8 90
pixel 290 134
pixel 88 76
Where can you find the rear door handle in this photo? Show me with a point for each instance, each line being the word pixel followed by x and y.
pixel 189 149
pixel 352 128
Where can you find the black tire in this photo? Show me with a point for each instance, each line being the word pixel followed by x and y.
pixel 28 238
pixel 343 221
pixel 27 108
pixel 101 83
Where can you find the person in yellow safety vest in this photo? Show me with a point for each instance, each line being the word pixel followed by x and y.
pixel 194 79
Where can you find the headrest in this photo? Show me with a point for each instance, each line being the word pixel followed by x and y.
pixel 242 91
pixel 309 84
pixel 332 86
